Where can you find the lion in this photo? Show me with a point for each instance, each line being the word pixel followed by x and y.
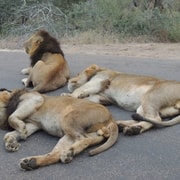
pixel 49 70
pixel 78 122
pixel 151 98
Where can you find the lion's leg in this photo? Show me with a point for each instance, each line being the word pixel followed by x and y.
pixel 146 111
pixel 132 127
pixel 46 82
pixel 29 104
pixel 11 138
pixel 125 123
pixel 59 153
pixel 169 112
pixel 41 87
pixel 44 86
pixel 137 128
pixel 91 87
pixel 33 162
pixel 82 144
pixel 98 98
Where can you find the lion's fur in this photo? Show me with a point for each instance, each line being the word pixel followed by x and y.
pixel 151 97
pixel 13 101
pixel 49 69
pixel 4 97
pixel 79 123
pixel 50 45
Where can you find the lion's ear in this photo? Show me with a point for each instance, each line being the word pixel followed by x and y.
pixel 39 40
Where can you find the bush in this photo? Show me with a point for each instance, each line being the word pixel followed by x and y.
pixel 118 18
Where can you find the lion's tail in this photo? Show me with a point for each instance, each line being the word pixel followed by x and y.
pixel 113 136
pixel 161 124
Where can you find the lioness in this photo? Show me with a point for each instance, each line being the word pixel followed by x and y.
pixel 150 97
pixel 79 122
pixel 49 69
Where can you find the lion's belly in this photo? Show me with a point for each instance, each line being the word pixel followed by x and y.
pixel 51 124
pixel 127 98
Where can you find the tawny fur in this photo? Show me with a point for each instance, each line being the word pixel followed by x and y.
pixel 150 97
pixel 49 70
pixel 78 122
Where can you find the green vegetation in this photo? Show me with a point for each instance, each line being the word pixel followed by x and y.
pixel 94 20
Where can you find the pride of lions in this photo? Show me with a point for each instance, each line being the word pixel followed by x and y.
pixel 79 118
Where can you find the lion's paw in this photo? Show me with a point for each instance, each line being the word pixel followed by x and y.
pixel 25 71
pixel 25 82
pixel 11 144
pixel 80 94
pixel 67 156
pixel 132 130
pixel 28 164
pixel 121 128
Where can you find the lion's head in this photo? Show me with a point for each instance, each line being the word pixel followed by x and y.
pixel 39 43
pixel 83 77
pixel 4 99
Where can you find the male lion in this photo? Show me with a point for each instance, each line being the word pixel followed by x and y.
pixel 49 70
pixel 79 122
pixel 150 97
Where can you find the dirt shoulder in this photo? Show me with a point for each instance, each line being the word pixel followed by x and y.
pixel 150 50
pixel 145 50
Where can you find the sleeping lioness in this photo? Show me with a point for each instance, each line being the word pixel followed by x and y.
pixel 152 98
pixel 49 70
pixel 78 122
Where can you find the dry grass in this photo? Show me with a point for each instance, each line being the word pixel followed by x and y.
pixel 96 43
pixel 93 37
pixel 146 50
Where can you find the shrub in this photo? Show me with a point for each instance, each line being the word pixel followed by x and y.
pixel 99 17
pixel 120 17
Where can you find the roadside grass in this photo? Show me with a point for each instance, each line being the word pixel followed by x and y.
pixel 94 22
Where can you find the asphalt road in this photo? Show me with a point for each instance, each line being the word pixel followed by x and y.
pixel 154 155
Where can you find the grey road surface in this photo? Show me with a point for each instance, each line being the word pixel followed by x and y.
pixel 154 155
